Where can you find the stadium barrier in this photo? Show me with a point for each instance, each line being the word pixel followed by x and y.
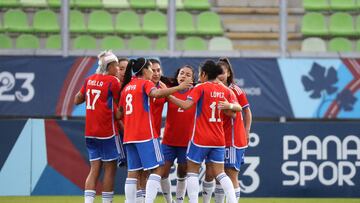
pixel 291 159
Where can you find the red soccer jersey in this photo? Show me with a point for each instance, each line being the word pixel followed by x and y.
pixel 235 133
pixel 100 93
pixel 156 106
pixel 177 131
pixel 135 100
pixel 208 130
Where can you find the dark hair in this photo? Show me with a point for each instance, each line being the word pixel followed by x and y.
pixel 225 62
pixel 123 59
pixel 154 61
pixel 178 71
pixel 211 69
pixel 134 66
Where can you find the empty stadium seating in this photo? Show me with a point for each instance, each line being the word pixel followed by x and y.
pixel 336 21
pixel 220 24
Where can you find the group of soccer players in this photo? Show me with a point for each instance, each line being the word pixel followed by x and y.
pixel 204 122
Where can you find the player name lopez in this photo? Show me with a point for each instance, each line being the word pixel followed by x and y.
pixel 217 94
pixel 95 83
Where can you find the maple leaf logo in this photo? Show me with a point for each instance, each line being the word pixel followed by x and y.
pixel 346 100
pixel 320 80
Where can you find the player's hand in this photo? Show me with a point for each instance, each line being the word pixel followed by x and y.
pixel 222 105
pixel 162 85
pixel 185 85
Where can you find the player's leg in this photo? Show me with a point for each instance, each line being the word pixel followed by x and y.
pixel 233 162
pixel 169 157
pixel 208 184
pixel 181 174
pixel 134 166
pixel 195 156
pixel 108 181
pixel 110 155
pixel 152 159
pixel 216 156
pixel 90 183
pixel 140 193
pixel 93 148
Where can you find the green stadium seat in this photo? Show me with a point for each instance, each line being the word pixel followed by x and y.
pixel 139 43
pixel 220 44
pixel 343 5
pixel 54 3
pixel 313 44
pixel 77 22
pixel 112 43
pixel 163 4
pixel 45 21
pixel 154 23
pixel 184 23
pixel 9 3
pixel 33 3
pixel 100 21
pixel 84 42
pixel 358 46
pixel 115 4
pixel 341 24
pixel 27 41
pixel 316 5
pixel 194 44
pixel 313 24
pixel 142 4
pixel 340 44
pixel 209 23
pixel 88 3
pixel 358 25
pixel 5 42
pixel 53 42
pixel 197 4
pixel 127 22
pixel 16 20
pixel 162 43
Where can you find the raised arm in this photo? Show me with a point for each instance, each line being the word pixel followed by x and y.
pixel 184 104
pixel 164 92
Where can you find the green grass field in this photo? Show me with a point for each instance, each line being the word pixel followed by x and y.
pixel 119 198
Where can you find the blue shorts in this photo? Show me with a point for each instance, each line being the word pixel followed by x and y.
pixel 171 153
pixel 234 157
pixel 103 149
pixel 144 155
pixel 197 154
pixel 122 158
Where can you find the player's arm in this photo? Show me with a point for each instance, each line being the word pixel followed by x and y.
pixel 119 113
pixel 247 120
pixel 184 104
pixel 225 105
pixel 79 98
pixel 164 91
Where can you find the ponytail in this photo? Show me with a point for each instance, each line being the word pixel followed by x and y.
pixel 128 73
pixel 134 67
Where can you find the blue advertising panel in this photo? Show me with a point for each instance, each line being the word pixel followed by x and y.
pixel 294 88
pixel 295 159
pixel 302 159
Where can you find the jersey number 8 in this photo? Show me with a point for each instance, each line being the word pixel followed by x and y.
pixel 128 107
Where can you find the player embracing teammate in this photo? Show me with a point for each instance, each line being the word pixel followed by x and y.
pixel 203 123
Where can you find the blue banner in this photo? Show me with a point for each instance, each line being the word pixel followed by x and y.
pixel 294 88
pixel 302 159
pixel 296 159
